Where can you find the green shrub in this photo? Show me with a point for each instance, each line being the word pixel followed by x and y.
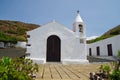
pixel 98 39
pixel 11 31
pixel 106 68
pixel 21 31
pixel 17 69
pixel 21 38
pixel 6 38
pixel 115 74
pixel 119 53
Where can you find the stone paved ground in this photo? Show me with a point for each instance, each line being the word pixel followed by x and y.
pixel 67 72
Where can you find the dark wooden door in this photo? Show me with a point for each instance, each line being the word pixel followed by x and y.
pixel 53 49
pixel 90 52
pixel 98 51
pixel 109 47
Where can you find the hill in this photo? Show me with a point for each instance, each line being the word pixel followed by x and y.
pixel 15 29
pixel 110 33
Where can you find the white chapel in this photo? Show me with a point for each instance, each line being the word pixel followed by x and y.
pixel 54 42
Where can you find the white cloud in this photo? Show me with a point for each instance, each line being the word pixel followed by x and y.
pixel 92 37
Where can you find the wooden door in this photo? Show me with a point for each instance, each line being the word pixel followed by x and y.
pixel 90 52
pixel 109 47
pixel 53 49
pixel 98 51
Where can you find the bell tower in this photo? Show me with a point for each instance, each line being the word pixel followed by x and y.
pixel 79 28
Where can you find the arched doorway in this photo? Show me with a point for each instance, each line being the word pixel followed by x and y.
pixel 53 49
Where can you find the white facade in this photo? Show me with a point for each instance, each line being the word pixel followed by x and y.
pixel 71 50
pixel 21 44
pixel 1 44
pixel 9 45
pixel 107 47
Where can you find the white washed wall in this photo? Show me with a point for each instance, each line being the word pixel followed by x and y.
pixel 21 44
pixel 115 41
pixel 71 49
pixel 2 44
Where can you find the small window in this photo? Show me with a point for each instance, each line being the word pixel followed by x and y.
pixel 81 40
pixel 80 28
pixel 28 36
pixel 28 44
pixel 90 52
pixel 109 48
pixel 98 51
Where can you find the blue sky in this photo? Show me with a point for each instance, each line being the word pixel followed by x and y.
pixel 98 15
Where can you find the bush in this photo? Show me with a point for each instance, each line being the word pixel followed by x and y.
pixel 21 31
pixel 115 74
pixel 104 71
pixel 21 38
pixel 98 39
pixel 17 69
pixel 119 53
pixel 6 38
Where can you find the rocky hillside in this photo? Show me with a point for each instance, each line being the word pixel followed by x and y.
pixel 16 29
pixel 112 32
